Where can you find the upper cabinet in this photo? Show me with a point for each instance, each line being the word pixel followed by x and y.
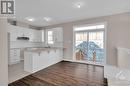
pixel 16 31
pixel 54 36
pixel 58 35
pixel 37 36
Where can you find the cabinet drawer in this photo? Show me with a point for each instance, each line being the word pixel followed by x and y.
pixel 12 59
pixel 14 55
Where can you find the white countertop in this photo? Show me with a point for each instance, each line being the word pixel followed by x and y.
pixel 38 49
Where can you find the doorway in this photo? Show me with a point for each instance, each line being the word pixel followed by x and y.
pixel 89 43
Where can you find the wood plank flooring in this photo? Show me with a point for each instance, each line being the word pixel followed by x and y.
pixel 65 74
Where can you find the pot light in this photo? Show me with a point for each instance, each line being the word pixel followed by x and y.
pixel 47 19
pixel 78 4
pixel 30 19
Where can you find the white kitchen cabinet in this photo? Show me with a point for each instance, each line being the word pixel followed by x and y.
pixel 13 30
pixel 16 31
pixel 58 35
pixel 38 60
pixel 14 56
pixel 37 34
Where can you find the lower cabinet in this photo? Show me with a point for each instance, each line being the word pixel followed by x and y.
pixel 14 56
pixel 35 61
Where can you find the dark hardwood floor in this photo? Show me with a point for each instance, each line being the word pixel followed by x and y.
pixel 65 74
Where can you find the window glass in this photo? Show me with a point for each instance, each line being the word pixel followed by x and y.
pixel 92 27
pixel 50 37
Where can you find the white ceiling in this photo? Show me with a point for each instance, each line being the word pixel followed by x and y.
pixel 62 11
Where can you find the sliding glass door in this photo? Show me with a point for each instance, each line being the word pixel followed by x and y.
pixel 89 44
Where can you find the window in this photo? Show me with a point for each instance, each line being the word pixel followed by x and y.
pixel 43 36
pixel 50 37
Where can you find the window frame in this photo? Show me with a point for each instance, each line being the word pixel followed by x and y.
pixel 105 37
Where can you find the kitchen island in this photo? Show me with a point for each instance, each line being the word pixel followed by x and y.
pixel 36 59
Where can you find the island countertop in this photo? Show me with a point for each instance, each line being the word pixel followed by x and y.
pixel 40 49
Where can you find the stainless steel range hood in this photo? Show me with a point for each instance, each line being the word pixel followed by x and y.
pixel 23 38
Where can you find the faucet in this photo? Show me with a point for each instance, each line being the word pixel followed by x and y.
pixel 48 46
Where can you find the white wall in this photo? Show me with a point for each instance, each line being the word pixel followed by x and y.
pixel 3 53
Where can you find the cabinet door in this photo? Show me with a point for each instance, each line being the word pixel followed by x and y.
pixel 31 35
pixel 13 32
pixel 28 33
pixel 14 56
pixel 37 36
pixel 54 35
pixel 13 36
pixel 58 35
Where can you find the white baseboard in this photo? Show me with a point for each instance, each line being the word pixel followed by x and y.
pixel 86 62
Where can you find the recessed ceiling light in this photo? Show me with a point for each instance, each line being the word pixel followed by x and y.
pixel 47 19
pixel 78 4
pixel 30 19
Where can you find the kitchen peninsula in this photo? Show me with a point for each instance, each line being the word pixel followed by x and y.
pixel 39 58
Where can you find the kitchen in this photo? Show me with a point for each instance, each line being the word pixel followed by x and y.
pixel 32 49
pixel 65 43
